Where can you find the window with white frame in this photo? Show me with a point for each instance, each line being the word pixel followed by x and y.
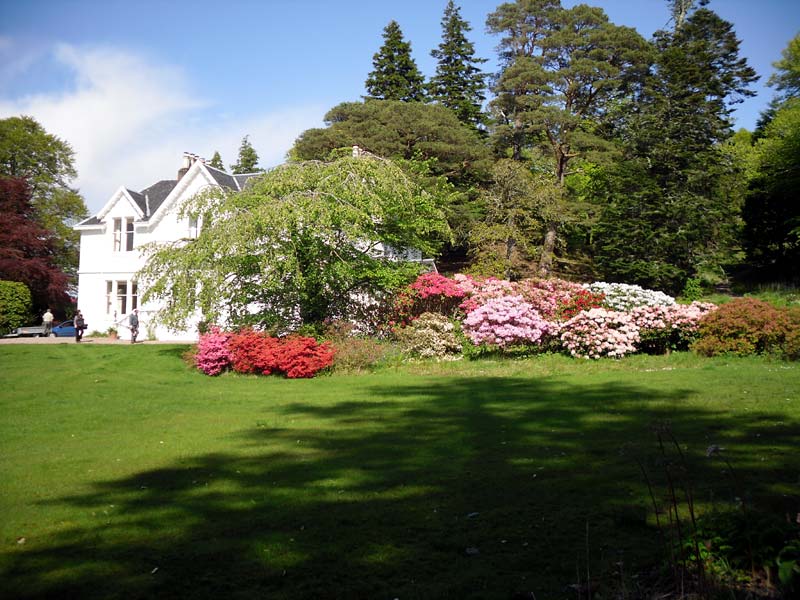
pixel 121 297
pixel 128 235
pixel 123 230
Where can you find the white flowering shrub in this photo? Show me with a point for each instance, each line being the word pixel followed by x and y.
pixel 624 296
pixel 599 332
pixel 430 336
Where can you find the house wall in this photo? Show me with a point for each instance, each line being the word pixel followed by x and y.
pixel 101 264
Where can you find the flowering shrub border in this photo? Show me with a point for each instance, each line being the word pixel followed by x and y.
pixel 252 352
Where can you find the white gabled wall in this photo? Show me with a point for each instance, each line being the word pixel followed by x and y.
pixel 100 263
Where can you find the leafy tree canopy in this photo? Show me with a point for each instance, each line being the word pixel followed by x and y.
pixel 27 250
pixel 672 212
pixel 248 159
pixel 516 207
pixel 46 162
pixel 786 78
pixel 561 68
pixel 395 75
pixel 299 245
pixel 395 129
pixel 772 212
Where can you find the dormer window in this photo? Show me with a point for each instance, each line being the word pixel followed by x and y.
pixel 123 234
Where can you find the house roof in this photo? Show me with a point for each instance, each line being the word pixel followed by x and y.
pixel 232 182
pixel 150 199
pixel 153 196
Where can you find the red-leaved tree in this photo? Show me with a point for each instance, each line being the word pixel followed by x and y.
pixel 26 248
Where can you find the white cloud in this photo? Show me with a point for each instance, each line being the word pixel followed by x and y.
pixel 129 121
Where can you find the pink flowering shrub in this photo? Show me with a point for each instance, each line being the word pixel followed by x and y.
pixel 673 327
pixel 429 293
pixel 213 356
pixel 599 332
pixel 506 321
pixel 483 290
pixel 548 295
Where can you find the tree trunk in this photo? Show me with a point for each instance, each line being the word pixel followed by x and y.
pixel 548 250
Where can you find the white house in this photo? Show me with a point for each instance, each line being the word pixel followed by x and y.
pixel 110 243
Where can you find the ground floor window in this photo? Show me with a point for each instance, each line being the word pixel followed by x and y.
pixel 122 296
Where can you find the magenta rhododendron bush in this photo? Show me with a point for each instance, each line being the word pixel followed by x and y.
pixel 506 321
pixel 213 355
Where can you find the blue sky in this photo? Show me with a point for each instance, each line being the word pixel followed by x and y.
pixel 131 85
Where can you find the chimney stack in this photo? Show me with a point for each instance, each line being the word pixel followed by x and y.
pixel 188 161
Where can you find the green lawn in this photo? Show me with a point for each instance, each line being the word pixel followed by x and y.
pixel 131 476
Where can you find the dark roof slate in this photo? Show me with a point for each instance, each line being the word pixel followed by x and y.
pixel 91 221
pixel 152 197
pixel 242 179
pixel 222 178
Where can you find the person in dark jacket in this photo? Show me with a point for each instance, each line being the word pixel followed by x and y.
pixel 133 323
pixel 80 325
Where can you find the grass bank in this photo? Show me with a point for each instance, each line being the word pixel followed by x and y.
pixel 124 474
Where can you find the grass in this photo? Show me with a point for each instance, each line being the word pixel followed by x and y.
pixel 124 474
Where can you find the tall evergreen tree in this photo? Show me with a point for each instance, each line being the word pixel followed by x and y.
pixel 216 161
pixel 248 159
pixel 395 75
pixel 459 83
pixel 669 217
pixel 560 69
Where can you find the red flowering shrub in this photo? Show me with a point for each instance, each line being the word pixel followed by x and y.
pixel 743 326
pixel 579 301
pixel 253 352
pixel 303 356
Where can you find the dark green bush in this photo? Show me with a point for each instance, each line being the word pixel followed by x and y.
pixel 743 326
pixel 15 305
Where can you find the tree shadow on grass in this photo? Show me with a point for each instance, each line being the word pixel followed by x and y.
pixel 453 488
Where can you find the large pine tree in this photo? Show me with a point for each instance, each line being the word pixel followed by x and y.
pixel 459 83
pixel 395 75
pixel 560 69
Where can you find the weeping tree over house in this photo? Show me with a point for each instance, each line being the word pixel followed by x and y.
pixel 300 243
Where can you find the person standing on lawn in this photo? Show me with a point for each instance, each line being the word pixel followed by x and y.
pixel 47 321
pixel 133 323
pixel 80 325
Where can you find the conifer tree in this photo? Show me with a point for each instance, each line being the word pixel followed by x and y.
pixel 395 75
pixel 248 159
pixel 670 216
pixel 216 161
pixel 458 83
